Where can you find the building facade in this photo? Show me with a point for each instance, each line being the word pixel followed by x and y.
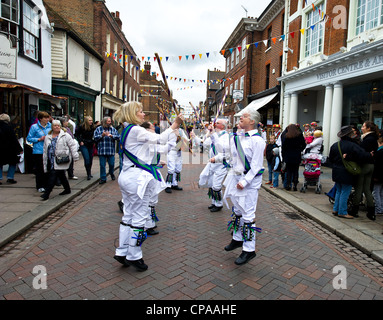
pixel 335 74
pixel 102 29
pixel 25 62
pixel 76 70
pixel 254 58
pixel 153 96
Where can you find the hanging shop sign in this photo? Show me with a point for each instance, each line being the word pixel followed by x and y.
pixel 7 59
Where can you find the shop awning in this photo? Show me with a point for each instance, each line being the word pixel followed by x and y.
pixel 258 103
pixel 20 86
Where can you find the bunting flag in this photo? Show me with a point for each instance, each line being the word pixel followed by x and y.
pixel 324 18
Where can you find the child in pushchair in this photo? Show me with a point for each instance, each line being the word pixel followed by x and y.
pixel 312 160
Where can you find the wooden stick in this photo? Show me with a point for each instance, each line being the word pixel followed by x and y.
pixel 168 90
pixel 163 113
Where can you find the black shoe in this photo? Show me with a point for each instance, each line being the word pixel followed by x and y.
pixel 44 196
pixel 216 209
pixel 138 264
pixel 102 182
pixel 371 213
pixel 295 189
pixel 234 244
pixel 88 177
pixel 211 207
pixel 113 177
pixel 11 181
pixel 288 188
pixel 151 232
pixel 122 260
pixel 244 258
pixel 168 190
pixel 121 206
pixel 177 188
pixel 64 192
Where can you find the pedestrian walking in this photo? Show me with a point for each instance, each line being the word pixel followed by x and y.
pixel 10 149
pixel 243 183
pixel 66 126
pixel 105 136
pixel 137 181
pixel 36 136
pixel 84 135
pixel 58 152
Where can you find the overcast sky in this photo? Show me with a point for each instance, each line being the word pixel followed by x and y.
pixel 174 28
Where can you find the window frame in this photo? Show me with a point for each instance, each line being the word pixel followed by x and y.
pixel 369 7
pixel 313 37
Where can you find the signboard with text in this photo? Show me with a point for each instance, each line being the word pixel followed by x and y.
pixel 7 59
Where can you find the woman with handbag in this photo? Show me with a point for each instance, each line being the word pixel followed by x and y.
pixel 59 150
pixel 346 149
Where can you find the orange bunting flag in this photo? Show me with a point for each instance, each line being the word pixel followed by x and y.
pixel 223 52
pixel 274 39
pixel 180 57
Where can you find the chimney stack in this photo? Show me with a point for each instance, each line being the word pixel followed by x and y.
pixel 116 17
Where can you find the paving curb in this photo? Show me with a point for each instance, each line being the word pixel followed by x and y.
pixel 21 224
pixel 351 235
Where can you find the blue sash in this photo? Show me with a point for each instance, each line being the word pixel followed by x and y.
pixel 137 162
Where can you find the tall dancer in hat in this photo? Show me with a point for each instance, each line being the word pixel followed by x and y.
pixel 137 180
pixel 243 182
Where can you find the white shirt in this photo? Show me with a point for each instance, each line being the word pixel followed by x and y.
pixel 253 147
pixel 143 144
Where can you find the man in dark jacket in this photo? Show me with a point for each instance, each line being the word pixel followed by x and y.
pixel 342 178
pixel 10 148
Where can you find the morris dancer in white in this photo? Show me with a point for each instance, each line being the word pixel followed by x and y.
pixel 175 162
pixel 213 174
pixel 243 183
pixel 137 181
pixel 156 150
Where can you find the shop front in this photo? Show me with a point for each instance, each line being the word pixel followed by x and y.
pixel 345 89
pixel 81 100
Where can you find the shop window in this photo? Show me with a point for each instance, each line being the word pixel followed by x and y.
pixel 31 32
pixel 269 32
pixel 9 13
pixel 314 33
pixel 86 67
pixel 244 48
pixel 369 15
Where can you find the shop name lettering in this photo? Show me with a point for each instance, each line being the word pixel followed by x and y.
pixel 367 63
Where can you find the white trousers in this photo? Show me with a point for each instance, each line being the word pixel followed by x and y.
pixel 218 175
pixel 174 166
pixel 245 207
pixel 136 213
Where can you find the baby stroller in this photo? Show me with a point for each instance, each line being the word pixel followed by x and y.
pixel 311 174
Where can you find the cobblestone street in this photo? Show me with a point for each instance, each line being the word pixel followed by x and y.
pixel 295 256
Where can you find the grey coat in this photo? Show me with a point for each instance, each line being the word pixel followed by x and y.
pixel 65 146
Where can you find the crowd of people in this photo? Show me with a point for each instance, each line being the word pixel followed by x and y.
pixel 233 172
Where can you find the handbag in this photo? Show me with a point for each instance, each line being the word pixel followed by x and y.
pixel 351 166
pixel 62 159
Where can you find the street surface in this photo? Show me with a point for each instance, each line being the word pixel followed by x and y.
pixel 69 256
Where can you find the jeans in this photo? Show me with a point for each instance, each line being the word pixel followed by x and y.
pixel 103 160
pixel 270 168
pixel 341 197
pixel 378 197
pixel 11 171
pixel 87 154
pixel 276 179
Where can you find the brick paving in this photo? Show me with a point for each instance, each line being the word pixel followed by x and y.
pixel 295 256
